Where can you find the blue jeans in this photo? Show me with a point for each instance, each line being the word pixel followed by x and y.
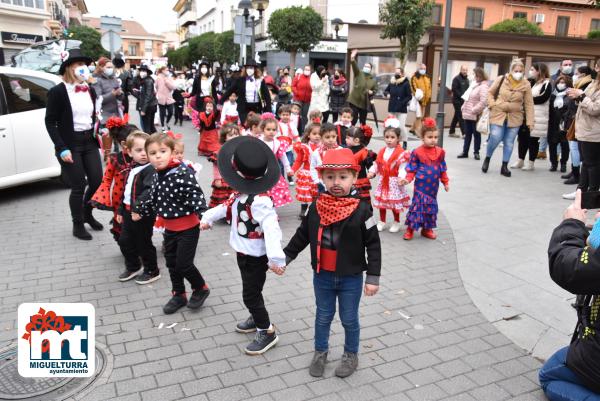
pixel 543 144
pixel 471 132
pixel 502 133
pixel 575 157
pixel 347 290
pixel 560 383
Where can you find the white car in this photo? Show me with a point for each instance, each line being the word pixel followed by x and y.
pixel 26 150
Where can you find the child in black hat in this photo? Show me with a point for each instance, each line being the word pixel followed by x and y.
pixel 250 167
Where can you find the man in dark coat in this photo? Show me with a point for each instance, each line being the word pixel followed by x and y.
pixel 460 84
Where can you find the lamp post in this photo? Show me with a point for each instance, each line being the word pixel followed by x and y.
pixel 260 6
pixel 440 116
pixel 337 23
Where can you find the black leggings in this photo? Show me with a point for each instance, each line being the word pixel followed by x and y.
pixel 564 152
pixel 148 121
pixel 358 114
pixel 178 113
pixel 528 143
pixel 589 179
pixel 165 109
pixel 86 170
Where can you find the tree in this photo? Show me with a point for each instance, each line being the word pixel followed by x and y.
pixel 202 47
pixel 407 21
pixel 90 41
pixel 225 50
pixel 595 34
pixel 180 57
pixel 295 29
pixel 517 25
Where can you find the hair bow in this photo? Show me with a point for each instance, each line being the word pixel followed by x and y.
pixel 392 122
pixel 367 130
pixel 117 122
pixel 429 122
pixel 316 120
pixel 173 135
pixel 267 116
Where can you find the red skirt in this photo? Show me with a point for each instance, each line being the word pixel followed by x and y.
pixel 306 190
pixel 209 142
pixel 219 194
pixel 363 186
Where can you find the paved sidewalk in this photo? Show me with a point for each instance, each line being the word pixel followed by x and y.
pixel 422 337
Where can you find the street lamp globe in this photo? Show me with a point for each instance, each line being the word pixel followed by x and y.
pixel 245 6
pixel 337 23
pixel 260 6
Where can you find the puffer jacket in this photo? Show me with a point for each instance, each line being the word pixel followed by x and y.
pixel 474 105
pixel 400 95
pixel 424 83
pixel 337 95
pixel 301 88
pixel 164 90
pixel 319 99
pixel 541 92
pixel 146 98
pixel 104 87
pixel 512 100
pixel 587 119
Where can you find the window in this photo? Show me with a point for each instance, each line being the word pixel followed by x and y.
pixel 436 14
pixel 519 14
pixel 26 3
pixel 25 93
pixel 595 25
pixel 562 26
pixel 474 18
pixel 133 49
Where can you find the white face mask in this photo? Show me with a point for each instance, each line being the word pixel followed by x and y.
pixel 307 73
pixel 92 68
pixel 203 70
pixel 517 76
pixel 532 74
pixel 250 71
pixel 143 74
pixel 82 73
pixel 561 87
pixel 567 69
pixel 366 70
pixel 109 72
pixel 422 72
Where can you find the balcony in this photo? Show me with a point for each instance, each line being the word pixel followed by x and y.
pixel 58 18
pixel 187 18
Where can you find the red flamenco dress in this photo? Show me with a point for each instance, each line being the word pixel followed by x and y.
pixel 209 135
pixel 427 166
pixel 221 191
pixel 110 192
pixel 365 159
pixel 306 190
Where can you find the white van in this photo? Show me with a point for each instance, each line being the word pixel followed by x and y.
pixel 26 150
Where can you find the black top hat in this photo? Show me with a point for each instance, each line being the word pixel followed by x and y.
pixel 144 67
pixel 118 62
pixel 250 63
pixel 203 62
pixel 248 165
pixel 71 56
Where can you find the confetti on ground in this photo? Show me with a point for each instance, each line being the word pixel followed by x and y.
pixel 404 315
pixel 171 325
pixel 419 327
pixel 225 254
pixel 160 326
pixel 185 329
pixel 387 312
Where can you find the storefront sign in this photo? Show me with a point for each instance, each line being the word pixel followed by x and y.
pixel 20 38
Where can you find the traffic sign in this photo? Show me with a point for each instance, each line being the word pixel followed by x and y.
pixel 111 41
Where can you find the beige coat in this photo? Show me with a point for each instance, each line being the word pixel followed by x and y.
pixel 510 103
pixel 587 119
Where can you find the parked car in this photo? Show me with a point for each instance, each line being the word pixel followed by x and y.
pixel 43 56
pixel 27 151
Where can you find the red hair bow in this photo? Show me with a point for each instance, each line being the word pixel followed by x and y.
pixel 268 116
pixel 316 120
pixel 208 99
pixel 117 122
pixel 429 122
pixel 367 130
pixel 173 135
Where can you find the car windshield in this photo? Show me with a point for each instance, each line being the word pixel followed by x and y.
pixel 43 56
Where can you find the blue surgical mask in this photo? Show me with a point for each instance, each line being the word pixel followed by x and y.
pixel 109 72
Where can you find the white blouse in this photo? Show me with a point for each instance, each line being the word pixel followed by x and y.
pixel 82 106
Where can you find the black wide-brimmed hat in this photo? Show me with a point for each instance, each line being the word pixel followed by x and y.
pixel 71 56
pixel 144 67
pixel 118 62
pixel 250 63
pixel 248 165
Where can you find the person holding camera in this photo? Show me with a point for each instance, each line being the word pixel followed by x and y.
pixel 573 372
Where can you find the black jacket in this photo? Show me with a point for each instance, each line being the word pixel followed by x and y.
pixel 337 97
pixel 197 91
pixel 576 268
pixel 141 188
pixel 239 88
pixel 559 120
pixel 355 235
pixel 400 95
pixel 460 85
pixel 146 98
pixel 59 117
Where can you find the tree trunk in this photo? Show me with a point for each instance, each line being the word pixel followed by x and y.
pixel 292 62
pixel 402 52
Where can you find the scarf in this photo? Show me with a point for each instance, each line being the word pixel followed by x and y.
pixel 559 99
pixel 325 147
pixel 332 209
pixel 583 81
pixel 340 81
pixel 385 167
pixel 207 119
pixel 172 164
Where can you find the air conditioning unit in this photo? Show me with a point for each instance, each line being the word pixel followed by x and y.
pixel 539 18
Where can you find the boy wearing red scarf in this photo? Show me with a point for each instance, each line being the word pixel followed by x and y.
pixel 334 226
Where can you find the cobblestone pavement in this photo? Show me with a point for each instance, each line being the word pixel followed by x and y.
pixel 422 337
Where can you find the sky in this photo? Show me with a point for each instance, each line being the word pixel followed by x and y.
pixel 156 16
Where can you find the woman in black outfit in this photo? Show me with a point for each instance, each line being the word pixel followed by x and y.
pixel 251 91
pixel 70 118
pixel 146 100
pixel 560 120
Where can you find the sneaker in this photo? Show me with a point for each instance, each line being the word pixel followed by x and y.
pixel 348 365
pixel 529 166
pixel 147 278
pixel 198 297
pixel 570 196
pixel 381 226
pixel 518 164
pixel 175 303
pixel 396 226
pixel 317 365
pixel 247 326
pixel 263 341
pixel 428 233
pixel 128 275
pixel 409 234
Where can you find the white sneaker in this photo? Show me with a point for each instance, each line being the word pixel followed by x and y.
pixel 518 164
pixel 395 227
pixel 570 196
pixel 528 166
pixel 381 226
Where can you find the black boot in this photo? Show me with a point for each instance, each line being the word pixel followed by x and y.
pixel 574 178
pixel 563 167
pixel 554 167
pixel 504 170
pixel 462 156
pixel 486 165
pixel 569 175
pixel 80 232
pixel 88 218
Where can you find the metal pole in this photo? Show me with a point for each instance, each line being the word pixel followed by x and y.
pixel 444 63
pixel 252 43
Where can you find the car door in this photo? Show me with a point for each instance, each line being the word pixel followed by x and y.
pixel 8 165
pixel 26 98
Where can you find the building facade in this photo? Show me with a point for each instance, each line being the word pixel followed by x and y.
pixel 138 45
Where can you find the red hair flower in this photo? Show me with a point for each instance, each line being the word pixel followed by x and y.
pixel 367 130
pixel 429 122
pixel 117 122
pixel 316 120
pixel 208 99
pixel 173 135
pixel 268 116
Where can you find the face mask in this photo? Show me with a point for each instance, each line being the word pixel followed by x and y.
pixel 517 76
pixel 307 73
pixel 561 87
pixel 576 78
pixel 143 74
pixel 203 70
pixel 397 76
pixel 567 69
pixel 422 72
pixel 92 68
pixel 82 72
pixel 109 72
pixel 250 71
pixel 532 74
pixel 366 70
